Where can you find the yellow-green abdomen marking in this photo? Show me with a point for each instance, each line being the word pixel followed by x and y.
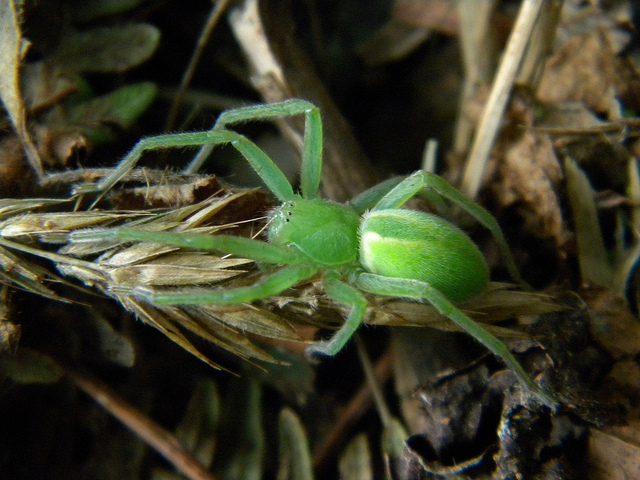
pixel 409 244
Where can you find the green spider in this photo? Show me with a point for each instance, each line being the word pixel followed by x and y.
pixel 367 245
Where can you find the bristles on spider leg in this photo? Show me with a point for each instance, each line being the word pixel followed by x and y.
pixel 93 234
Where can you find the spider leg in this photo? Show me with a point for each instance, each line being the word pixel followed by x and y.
pixel 400 287
pixel 346 295
pixel 240 246
pixel 269 286
pixel 260 161
pixel 370 197
pixel 312 143
pixel 411 185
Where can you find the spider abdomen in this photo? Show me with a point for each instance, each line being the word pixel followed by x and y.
pixel 415 245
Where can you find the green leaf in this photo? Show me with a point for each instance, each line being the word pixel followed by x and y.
pixel 592 253
pixel 294 456
pixel 355 461
pixel 121 107
pixel 242 439
pixel 108 49
pixel 197 429
pixel 30 366
pixel 84 11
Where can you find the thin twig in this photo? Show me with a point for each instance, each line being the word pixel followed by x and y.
pixel 478 51
pixel 214 17
pixel 160 439
pixel 497 103
pixel 373 382
pixel 280 70
pixel 144 175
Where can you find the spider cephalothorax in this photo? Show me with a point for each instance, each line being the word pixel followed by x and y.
pixel 367 245
pixel 326 232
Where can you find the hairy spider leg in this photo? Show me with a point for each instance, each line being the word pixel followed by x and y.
pixel 256 250
pixel 419 180
pixel 401 287
pixel 345 294
pixel 298 269
pixel 312 142
pixel 260 161
pixel 371 196
pixel 269 286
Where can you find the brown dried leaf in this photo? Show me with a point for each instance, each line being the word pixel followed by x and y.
pixel 439 15
pixel 123 267
pixel 253 319
pixel 45 84
pixel 167 194
pixel 54 227
pixel 125 256
pixel 595 145
pixel 611 457
pixel 13 207
pixel 11 53
pixel 61 147
pixel 16 178
pixel 218 333
pixel 569 74
pixel 497 304
pixel 159 319
pixel 183 268
pixel 393 42
pixel 26 274
pixel 612 324
pixel 625 374
pixel 9 337
pixel 527 176
pixel 573 116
